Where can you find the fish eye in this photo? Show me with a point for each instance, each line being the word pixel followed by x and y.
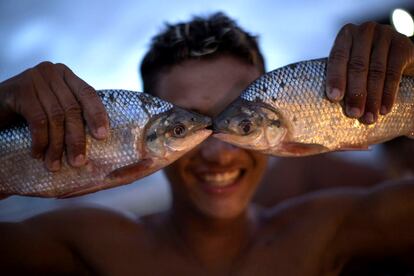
pixel 246 126
pixel 178 130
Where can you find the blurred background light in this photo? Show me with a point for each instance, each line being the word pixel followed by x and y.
pixel 403 22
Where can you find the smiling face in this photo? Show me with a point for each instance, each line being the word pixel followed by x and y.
pixel 215 178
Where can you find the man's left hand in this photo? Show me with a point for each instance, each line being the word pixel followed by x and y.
pixel 365 67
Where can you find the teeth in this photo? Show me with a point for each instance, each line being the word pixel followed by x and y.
pixel 221 179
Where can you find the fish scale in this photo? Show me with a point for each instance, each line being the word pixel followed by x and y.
pixel 297 94
pixel 129 112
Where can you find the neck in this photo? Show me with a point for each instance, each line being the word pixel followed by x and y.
pixel 213 242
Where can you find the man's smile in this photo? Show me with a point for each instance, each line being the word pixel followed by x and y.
pixel 219 181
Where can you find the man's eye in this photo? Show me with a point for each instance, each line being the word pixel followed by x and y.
pixel 179 130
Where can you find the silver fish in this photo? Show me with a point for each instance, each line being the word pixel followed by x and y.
pixel 146 134
pixel 285 113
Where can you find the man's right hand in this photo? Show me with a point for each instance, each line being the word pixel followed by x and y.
pixel 54 102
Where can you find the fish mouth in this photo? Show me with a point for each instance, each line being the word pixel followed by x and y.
pixel 221 124
pixel 206 124
pixel 238 111
pixel 201 122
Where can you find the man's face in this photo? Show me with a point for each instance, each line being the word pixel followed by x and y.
pixel 216 178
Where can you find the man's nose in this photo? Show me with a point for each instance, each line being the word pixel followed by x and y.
pixel 216 151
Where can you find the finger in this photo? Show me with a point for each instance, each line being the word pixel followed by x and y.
pixel 55 121
pixel 395 67
pixel 93 110
pixel 337 64
pixel 32 111
pixel 357 74
pixel 376 73
pixel 74 135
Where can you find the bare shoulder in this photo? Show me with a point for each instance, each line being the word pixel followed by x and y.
pixel 85 214
pixel 345 222
pixel 70 241
pixel 82 223
pixel 334 202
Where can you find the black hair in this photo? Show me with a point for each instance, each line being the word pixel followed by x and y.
pixel 201 37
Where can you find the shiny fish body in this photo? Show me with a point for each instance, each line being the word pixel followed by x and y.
pixel 296 119
pixel 132 115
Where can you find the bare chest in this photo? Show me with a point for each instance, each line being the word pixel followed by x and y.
pixel 290 254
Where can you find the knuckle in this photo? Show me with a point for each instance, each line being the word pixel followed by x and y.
pixel 73 110
pixel 87 91
pixel 339 55
pixel 44 64
pixel 61 67
pixel 377 70
pixel 347 28
pixel 56 116
pixel 393 75
pixel 357 65
pixel 386 29
pixel 367 26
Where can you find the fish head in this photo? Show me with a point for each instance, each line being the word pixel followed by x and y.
pixel 251 125
pixel 173 133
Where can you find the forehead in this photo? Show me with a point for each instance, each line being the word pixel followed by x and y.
pixel 207 85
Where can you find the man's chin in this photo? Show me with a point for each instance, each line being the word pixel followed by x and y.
pixel 221 210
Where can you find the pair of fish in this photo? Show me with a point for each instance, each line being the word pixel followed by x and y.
pixel 283 113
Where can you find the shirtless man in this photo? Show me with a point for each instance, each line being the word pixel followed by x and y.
pixel 211 229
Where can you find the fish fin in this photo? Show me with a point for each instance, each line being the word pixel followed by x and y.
pixel 118 177
pixel 130 173
pixel 300 149
pixel 354 147
pixel 85 190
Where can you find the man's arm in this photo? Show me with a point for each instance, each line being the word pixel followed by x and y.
pixel 70 241
pixel 39 245
pixel 380 222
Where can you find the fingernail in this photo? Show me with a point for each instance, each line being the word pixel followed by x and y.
pixel 79 160
pixel 369 118
pixel 353 112
pixel 101 132
pixel 55 165
pixel 334 93
pixel 383 110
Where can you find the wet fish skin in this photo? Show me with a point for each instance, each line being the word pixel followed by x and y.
pixel 286 113
pixel 146 134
